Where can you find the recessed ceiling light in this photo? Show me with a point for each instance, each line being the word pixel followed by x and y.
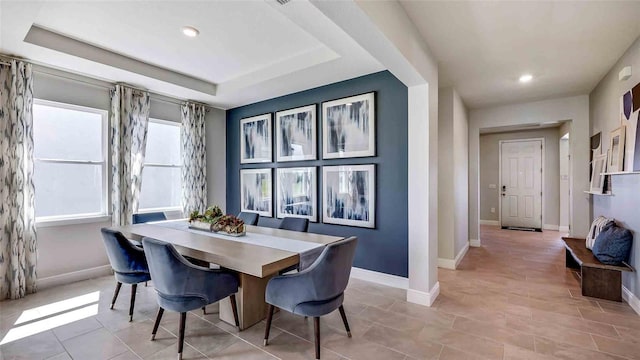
pixel 526 78
pixel 348 104
pixel 190 31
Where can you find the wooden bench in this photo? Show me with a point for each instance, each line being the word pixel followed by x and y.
pixel 597 279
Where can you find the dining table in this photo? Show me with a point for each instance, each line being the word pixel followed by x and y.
pixel 256 257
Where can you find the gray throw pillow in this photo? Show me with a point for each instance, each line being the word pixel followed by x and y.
pixel 613 245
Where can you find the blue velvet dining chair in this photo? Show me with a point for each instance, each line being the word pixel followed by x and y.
pixel 148 217
pixel 294 224
pixel 128 262
pixel 315 291
pixel 183 286
pixel 249 218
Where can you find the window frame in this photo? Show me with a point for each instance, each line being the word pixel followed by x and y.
pixel 158 165
pixel 105 212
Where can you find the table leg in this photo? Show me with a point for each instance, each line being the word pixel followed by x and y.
pixel 250 298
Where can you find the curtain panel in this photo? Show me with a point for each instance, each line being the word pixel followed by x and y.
pixel 194 158
pixel 129 124
pixel 18 241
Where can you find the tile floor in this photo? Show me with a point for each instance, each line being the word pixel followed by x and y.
pixel 510 299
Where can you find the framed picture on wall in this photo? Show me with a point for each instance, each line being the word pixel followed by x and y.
pixel 255 139
pixel 296 134
pixel 296 194
pixel 596 149
pixel 349 127
pixel 348 196
pixel 616 150
pixel 256 191
pixel 597 177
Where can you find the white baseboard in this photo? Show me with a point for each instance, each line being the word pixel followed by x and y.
pixel 563 228
pixel 452 264
pixel 490 222
pixel 631 299
pixel 423 298
pixel 380 278
pixel 474 243
pixel 550 227
pixel 74 276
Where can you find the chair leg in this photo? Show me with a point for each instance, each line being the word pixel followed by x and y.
pixel 115 294
pixel 316 332
pixel 344 320
pixel 183 319
pixel 157 324
pixel 268 328
pixel 234 307
pixel 134 287
pixel 204 310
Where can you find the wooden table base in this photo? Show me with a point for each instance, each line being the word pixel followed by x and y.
pixel 251 305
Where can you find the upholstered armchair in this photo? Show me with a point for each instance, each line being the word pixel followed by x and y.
pixel 294 224
pixel 315 291
pixel 148 217
pixel 183 286
pixel 249 218
pixel 128 262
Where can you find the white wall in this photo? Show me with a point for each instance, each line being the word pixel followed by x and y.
pixel 490 170
pixel 576 109
pixel 453 221
pixel 605 117
pixel 564 184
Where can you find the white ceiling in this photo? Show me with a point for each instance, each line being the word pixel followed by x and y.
pixel 247 51
pixel 484 46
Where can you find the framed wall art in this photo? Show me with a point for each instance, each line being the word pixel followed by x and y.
pixel 348 196
pixel 296 194
pixel 616 150
pixel 255 139
pixel 597 177
pixel 296 134
pixel 256 191
pixel 348 127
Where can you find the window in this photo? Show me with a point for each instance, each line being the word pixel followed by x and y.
pixel 70 169
pixel 161 175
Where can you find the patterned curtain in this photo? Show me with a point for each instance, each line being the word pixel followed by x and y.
pixel 18 250
pixel 194 158
pixel 129 123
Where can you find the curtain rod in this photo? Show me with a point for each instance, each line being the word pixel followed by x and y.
pixel 159 97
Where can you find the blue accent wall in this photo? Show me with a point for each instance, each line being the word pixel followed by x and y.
pixel 385 248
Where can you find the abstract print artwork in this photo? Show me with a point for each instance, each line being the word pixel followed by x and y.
pixel 596 149
pixel 616 150
pixel 348 196
pixel 255 139
pixel 348 127
pixel 296 193
pixel 629 114
pixel 296 134
pixel 256 191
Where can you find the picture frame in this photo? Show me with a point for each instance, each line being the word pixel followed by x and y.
pixel 349 127
pixel 297 193
pixel 348 195
pixel 296 134
pixel 255 139
pixel 597 177
pixel 616 150
pixel 596 149
pixel 256 191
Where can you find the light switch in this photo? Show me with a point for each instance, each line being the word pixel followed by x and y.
pixel 493 210
pixel 493 186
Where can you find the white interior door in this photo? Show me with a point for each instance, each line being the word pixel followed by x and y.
pixel 521 184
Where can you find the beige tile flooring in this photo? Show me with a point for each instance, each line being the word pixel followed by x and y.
pixel 510 299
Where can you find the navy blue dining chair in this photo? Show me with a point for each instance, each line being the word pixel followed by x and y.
pixel 249 218
pixel 183 286
pixel 148 217
pixel 128 262
pixel 315 291
pixel 294 224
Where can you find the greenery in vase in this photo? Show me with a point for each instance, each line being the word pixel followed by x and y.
pixel 219 222
pixel 211 215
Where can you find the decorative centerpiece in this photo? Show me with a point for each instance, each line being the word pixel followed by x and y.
pixel 214 220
